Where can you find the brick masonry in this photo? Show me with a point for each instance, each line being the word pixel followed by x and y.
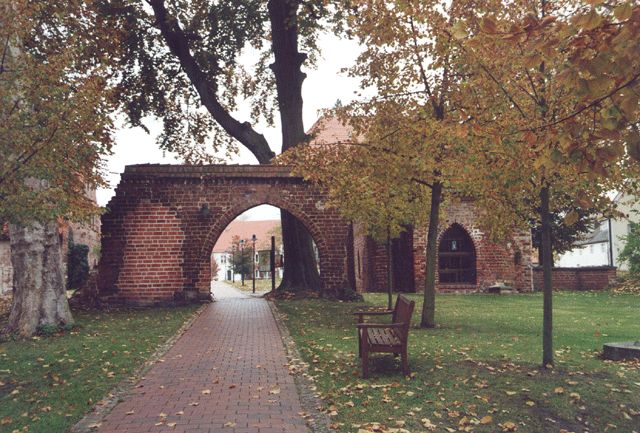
pixel 227 373
pixel 585 278
pixel 164 220
pixel 508 262
pixel 160 228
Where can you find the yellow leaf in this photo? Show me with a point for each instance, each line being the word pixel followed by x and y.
pixel 426 423
pixel 590 20
pixel 487 419
pixel 459 30
pixel 623 12
pixel 509 426
pixel 569 219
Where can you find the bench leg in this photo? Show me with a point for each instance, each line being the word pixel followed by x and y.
pixel 405 362
pixel 365 364
pixel 359 343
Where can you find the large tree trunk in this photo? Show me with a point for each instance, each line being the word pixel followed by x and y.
pixel 429 305
pixel 39 297
pixel 300 270
pixel 547 319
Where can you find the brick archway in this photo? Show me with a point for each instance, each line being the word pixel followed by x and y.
pixel 204 276
pixel 164 220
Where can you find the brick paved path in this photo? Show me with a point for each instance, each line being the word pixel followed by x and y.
pixel 227 373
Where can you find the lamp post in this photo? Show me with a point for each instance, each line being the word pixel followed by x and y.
pixel 253 259
pixel 242 260
pixel 233 263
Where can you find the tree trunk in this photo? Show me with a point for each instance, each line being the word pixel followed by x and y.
pixel 429 305
pixel 540 251
pixel 547 321
pixel 39 297
pixel 300 270
pixel 389 271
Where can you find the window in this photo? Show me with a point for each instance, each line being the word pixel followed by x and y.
pixel 456 257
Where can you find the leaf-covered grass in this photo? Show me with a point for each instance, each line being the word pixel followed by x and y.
pixel 48 383
pixel 479 369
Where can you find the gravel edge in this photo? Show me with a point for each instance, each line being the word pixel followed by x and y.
pixel 317 421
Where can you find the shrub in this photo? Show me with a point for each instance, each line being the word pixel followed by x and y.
pixel 631 252
pixel 77 265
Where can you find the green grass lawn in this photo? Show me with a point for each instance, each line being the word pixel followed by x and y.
pixel 479 369
pixel 262 285
pixel 48 383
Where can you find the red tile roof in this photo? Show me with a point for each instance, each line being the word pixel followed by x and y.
pixel 330 130
pixel 245 229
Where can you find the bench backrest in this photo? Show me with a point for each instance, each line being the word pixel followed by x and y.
pixel 402 314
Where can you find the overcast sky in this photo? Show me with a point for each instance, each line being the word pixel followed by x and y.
pixel 322 88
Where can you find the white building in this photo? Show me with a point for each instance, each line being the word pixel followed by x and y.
pixel 245 230
pixel 591 251
pixel 225 265
pixel 629 206
pixel 595 249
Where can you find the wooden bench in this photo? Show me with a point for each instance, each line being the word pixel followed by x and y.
pixel 385 337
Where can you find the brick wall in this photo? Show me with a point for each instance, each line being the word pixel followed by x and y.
pixel 584 278
pixel 163 222
pixel 508 262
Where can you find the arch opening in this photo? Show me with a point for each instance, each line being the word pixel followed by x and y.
pixel 456 257
pixel 241 252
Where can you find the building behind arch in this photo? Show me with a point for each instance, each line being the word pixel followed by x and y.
pixel 467 260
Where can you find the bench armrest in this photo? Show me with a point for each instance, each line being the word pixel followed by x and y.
pixel 379 325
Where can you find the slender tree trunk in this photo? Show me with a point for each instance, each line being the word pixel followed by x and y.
pixel 429 305
pixel 389 271
pixel 547 320
pixel 39 297
pixel 300 270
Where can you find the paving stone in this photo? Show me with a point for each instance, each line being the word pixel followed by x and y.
pixel 232 363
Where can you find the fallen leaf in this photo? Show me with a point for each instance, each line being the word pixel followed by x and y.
pixel 509 426
pixel 488 419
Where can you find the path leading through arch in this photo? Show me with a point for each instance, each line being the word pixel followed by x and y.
pixel 226 373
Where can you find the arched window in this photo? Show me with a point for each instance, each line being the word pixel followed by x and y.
pixel 456 257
